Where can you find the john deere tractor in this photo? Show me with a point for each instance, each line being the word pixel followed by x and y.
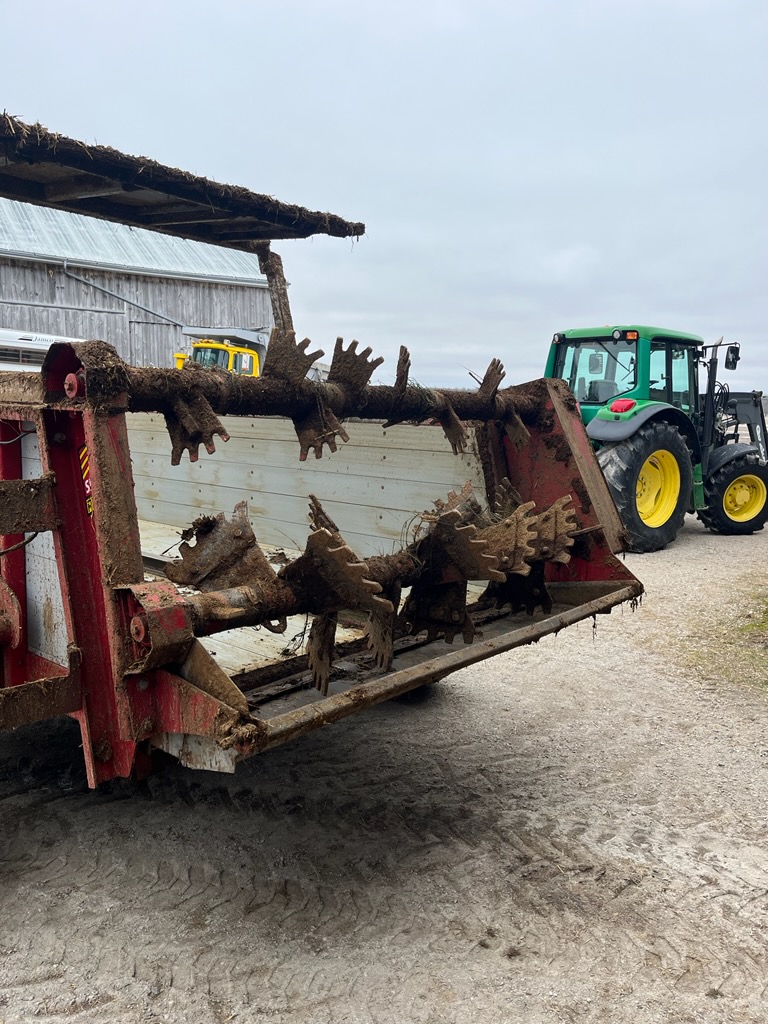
pixel 666 448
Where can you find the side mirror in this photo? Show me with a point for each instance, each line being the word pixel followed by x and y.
pixel 732 357
pixel 595 364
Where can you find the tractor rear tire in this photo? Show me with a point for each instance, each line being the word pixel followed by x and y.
pixel 737 497
pixel 650 477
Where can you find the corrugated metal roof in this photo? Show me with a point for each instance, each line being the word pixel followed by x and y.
pixel 38 232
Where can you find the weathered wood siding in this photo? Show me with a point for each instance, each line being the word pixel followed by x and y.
pixel 42 298
pixel 372 487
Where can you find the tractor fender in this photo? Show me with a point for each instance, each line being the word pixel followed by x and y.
pixel 607 427
pixel 727 453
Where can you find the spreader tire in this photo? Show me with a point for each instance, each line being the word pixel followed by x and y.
pixel 737 496
pixel 649 476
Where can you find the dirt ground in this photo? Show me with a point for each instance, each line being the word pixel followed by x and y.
pixel 572 832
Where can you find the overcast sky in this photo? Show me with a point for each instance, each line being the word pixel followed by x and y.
pixel 521 167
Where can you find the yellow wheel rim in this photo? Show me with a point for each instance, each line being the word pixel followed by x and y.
pixel 658 488
pixel 744 498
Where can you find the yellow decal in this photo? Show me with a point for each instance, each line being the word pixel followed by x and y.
pixel 85 469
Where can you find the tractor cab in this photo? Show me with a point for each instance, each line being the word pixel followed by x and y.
pixel 633 363
pixel 230 349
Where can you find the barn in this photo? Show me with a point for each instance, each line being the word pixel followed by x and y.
pixel 66 274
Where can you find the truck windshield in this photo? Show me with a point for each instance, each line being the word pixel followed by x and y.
pixel 211 357
pixel 597 369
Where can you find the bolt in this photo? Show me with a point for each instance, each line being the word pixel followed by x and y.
pixel 74 384
pixel 139 628
pixel 142 684
pixel 59 438
pixel 455 617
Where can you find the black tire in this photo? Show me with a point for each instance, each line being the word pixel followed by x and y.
pixel 656 452
pixel 737 496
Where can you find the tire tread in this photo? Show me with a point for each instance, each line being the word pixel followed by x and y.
pixel 713 516
pixel 621 463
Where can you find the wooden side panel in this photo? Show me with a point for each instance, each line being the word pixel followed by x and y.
pixel 372 487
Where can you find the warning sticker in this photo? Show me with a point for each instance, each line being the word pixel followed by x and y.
pixel 85 469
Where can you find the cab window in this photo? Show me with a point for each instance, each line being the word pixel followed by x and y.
pixel 673 375
pixel 657 389
pixel 597 369
pixel 243 363
pixel 682 376
pixel 210 357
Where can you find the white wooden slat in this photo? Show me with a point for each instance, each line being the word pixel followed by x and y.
pixel 364 433
pixel 336 478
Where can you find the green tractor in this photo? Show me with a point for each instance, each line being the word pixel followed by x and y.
pixel 666 448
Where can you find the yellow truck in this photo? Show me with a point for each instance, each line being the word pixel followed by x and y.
pixel 232 349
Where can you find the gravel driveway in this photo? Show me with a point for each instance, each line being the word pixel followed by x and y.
pixel 575 831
